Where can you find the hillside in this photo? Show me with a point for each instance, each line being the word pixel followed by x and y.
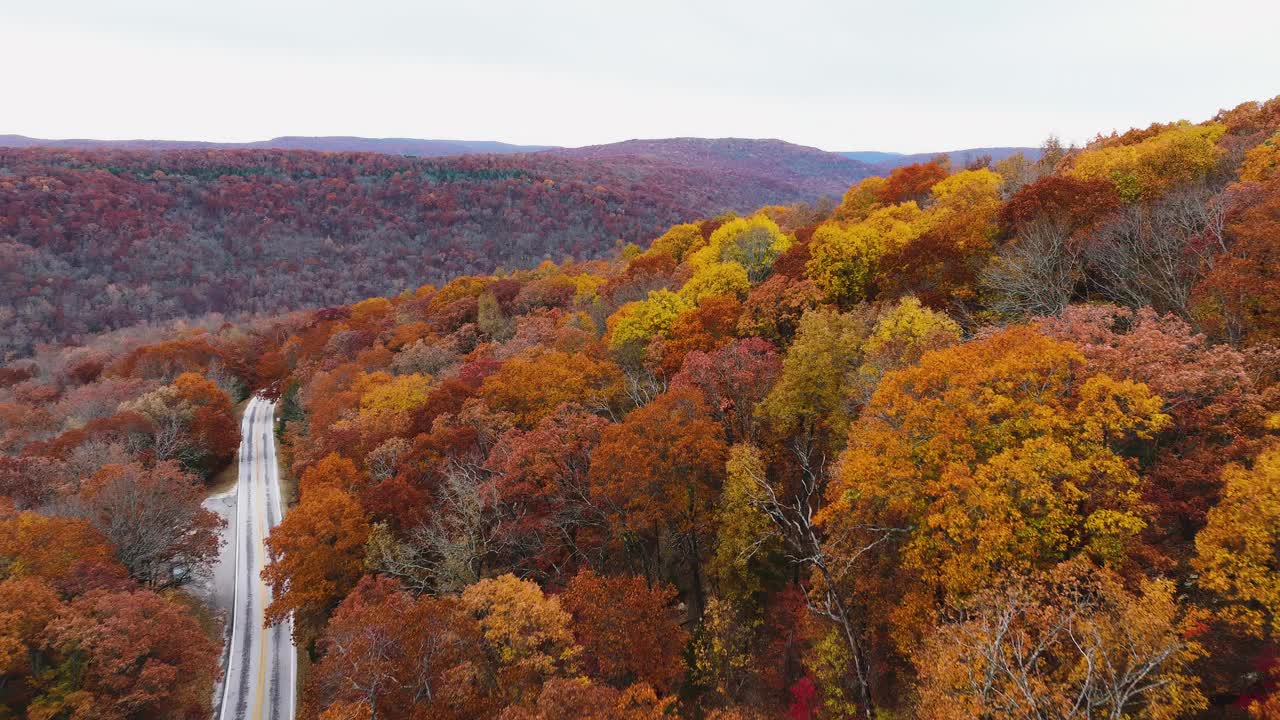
pixel 114 237
pixel 889 160
pixel 806 171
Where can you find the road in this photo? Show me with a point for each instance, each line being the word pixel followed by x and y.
pixel 261 662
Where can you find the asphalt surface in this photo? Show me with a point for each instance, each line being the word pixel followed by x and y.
pixel 259 683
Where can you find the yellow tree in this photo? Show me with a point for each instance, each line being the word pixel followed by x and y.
pixel 386 401
pixel 1180 154
pixel 845 257
pixel 679 241
pixel 1238 551
pixel 1000 455
pixel 745 537
pixel 527 633
pixel 861 199
pixel 752 243
pixel 1262 161
pixel 903 333
pixel 636 323
pixel 941 264
pixel 716 279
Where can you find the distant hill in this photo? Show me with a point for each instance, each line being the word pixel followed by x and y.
pixel 780 166
pixel 872 157
pixel 786 167
pixel 97 239
pixel 892 160
pixel 389 146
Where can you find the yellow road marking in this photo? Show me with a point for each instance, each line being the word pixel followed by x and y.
pixel 263 636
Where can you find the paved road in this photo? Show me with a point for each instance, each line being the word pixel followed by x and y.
pixel 262 662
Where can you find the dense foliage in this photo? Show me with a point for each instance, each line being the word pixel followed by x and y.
pixel 983 442
pixel 93 240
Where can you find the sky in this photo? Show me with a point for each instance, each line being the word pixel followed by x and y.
pixel 898 75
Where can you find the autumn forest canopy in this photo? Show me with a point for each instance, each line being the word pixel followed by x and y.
pixel 991 440
pixel 100 239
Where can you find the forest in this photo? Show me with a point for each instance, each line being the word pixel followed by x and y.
pixel 997 440
pixel 101 239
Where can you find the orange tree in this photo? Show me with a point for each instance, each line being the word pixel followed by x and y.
pixel 1000 455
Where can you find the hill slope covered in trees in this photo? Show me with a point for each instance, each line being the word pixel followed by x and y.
pixel 92 240
pixel 977 442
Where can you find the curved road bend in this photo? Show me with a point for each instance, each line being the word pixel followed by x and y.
pixel 261 662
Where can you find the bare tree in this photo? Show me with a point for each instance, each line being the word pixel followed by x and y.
pixel 1072 645
pixel 447 553
pixel 793 516
pixel 381 461
pixel 1154 253
pixel 1037 273
pixel 154 519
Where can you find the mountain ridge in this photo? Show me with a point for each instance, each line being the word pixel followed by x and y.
pixel 422 147
pixel 889 160
pixel 445 147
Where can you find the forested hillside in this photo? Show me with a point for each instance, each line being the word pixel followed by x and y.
pixel 810 172
pixel 978 442
pixel 93 240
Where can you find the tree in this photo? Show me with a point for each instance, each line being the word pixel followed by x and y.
pixel 1236 299
pixel 397 656
pixel 1262 161
pixel 954 241
pixel 67 553
pixel 659 470
pixel 998 455
pixel 629 631
pixel 315 557
pixel 491 320
pixel 526 633
pixel 213 423
pixel 1216 413
pixel 541 482
pixel 911 182
pixel 387 403
pixel 155 519
pixel 773 309
pixel 808 403
pixel 191 421
pixel 533 385
pixel 29 605
pixel 678 241
pixel 1179 155
pixel 746 537
pixel 636 323
pixel 751 243
pixel 1238 551
pixel 710 325
pixel 1038 270
pixel 333 471
pixel 715 279
pixel 903 333
pixel 123 655
pixel 581 699
pixel 845 258
pixel 860 199
pixel 733 381
pixel 1155 252
pixel 1073 644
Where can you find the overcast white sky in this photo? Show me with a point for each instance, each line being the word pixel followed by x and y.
pixel 905 75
